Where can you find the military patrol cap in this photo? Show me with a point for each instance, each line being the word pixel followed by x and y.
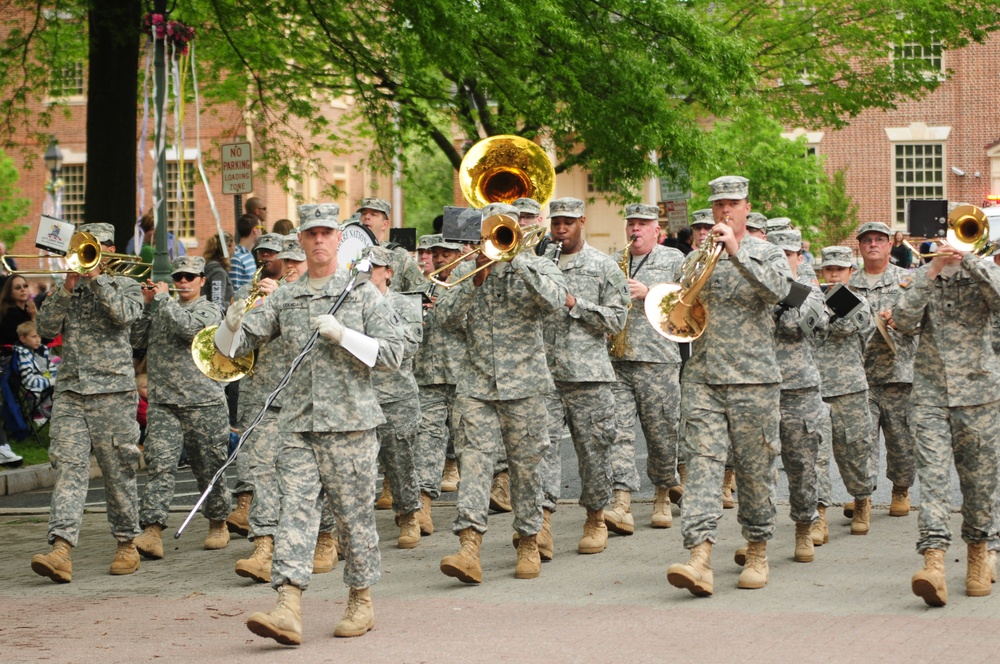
pixel 439 242
pixel 269 242
pixel 789 240
pixel 378 204
pixel 642 211
pixel 291 250
pixel 837 256
pixel 757 221
pixel 321 215
pixel 778 224
pixel 105 233
pixel 729 187
pixel 425 241
pixel 702 218
pixel 566 207
pixel 527 206
pixel 500 208
pixel 187 265
pixel 379 256
pixel 873 227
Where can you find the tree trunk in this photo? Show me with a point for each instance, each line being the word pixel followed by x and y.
pixel 113 79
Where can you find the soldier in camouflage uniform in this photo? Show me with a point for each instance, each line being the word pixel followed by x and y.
pixel 436 366
pixel 648 381
pixel 807 274
pixel 730 394
pixel 576 348
pixel 327 421
pixel 954 402
pixel 757 225
pixel 889 369
pixel 187 409
pixel 503 309
pixel 93 410
pixel 375 215
pixel 839 355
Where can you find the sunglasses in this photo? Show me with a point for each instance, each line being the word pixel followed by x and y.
pixel 184 276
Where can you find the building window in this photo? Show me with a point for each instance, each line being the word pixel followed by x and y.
pixel 69 81
pixel 919 169
pixel 180 206
pixel 341 184
pixel 74 187
pixel 929 54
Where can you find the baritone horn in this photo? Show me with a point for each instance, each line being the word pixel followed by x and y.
pixel 674 310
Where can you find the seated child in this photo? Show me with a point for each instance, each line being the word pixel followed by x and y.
pixel 142 387
pixel 34 365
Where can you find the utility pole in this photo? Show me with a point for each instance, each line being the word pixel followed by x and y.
pixel 161 260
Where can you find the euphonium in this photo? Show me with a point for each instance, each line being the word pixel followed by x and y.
pixel 674 310
pixel 619 342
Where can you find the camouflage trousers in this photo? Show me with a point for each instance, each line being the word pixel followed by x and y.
pixel 521 425
pixel 824 487
pixel 717 417
pixel 106 425
pixel 434 437
pixel 851 442
pixel 969 437
pixel 889 407
pixel 800 439
pixel 652 392
pixel 260 453
pixel 203 431
pixel 344 465
pixel 588 409
pixel 397 437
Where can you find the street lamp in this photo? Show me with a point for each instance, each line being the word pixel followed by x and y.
pixel 53 159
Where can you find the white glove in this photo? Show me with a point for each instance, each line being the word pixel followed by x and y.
pixel 234 315
pixel 329 327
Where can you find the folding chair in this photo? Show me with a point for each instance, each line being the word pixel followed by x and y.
pixel 28 403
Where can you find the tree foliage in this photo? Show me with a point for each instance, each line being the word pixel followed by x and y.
pixel 839 214
pixel 13 206
pixel 428 183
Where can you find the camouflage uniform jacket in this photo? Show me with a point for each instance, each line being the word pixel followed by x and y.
pixel 395 385
pixel 955 364
pixel 441 356
pixel 881 365
pixel 996 334
pixel 576 339
pixel 406 274
pixel 792 347
pixel 332 390
pixel 738 344
pixel 643 343
pixel 503 318
pixel 95 321
pixel 167 327
pixel 839 353
pixel 271 363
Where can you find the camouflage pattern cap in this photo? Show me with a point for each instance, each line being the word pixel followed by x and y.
pixel 269 242
pixel 187 265
pixel 566 207
pixel 105 233
pixel 378 204
pixel 527 206
pixel 778 224
pixel 379 256
pixel 322 215
pixel 837 256
pixel 789 240
pixel 425 241
pixel 729 187
pixel 642 211
pixel 500 208
pixel 291 250
pixel 440 243
pixel 873 227
pixel 702 217
pixel 757 221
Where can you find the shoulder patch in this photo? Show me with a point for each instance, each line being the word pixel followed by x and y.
pixel 906 282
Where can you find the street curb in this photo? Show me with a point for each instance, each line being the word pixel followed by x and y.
pixel 39 476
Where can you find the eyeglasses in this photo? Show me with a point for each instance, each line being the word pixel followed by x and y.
pixel 183 276
pixel 260 228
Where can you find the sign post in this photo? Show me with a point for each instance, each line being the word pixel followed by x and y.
pixel 237 175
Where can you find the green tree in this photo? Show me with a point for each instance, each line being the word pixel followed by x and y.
pixel 429 185
pixel 839 214
pixel 13 206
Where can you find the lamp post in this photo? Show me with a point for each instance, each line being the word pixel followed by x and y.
pixel 53 161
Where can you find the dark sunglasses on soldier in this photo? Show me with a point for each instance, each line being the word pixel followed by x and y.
pixel 184 276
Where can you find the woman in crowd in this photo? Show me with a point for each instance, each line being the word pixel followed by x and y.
pixel 900 254
pixel 218 289
pixel 16 306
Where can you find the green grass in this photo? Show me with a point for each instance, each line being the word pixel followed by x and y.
pixel 29 449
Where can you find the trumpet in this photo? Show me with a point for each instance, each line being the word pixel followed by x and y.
pixel 84 255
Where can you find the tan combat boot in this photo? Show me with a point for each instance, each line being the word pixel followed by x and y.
pixel 928 584
pixel 57 564
pixel 991 565
pixel 325 553
pixel 465 565
pixel 755 571
pixel 359 616
pixel 384 500
pixel 662 516
pixel 218 535
pixel 238 521
pixel 900 505
pixel 546 543
pixel 804 552
pixel 862 521
pixel 676 494
pixel 409 531
pixel 820 532
pixel 595 533
pixel 977 574
pixel 500 492
pixel 695 575
pixel 682 474
pixel 258 565
pixel 283 623
pixel 619 517
pixel 740 556
pixel 728 485
pixel 849 510
pixel 529 562
pixel 150 542
pixel 450 478
pixel 126 560
pixel 424 519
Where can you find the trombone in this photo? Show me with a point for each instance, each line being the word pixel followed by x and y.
pixel 84 255
pixel 968 230
pixel 503 238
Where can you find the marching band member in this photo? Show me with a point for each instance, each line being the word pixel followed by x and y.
pixel 375 216
pixel 187 409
